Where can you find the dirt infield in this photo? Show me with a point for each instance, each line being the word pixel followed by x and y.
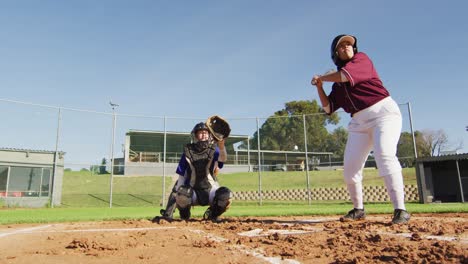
pixel 426 239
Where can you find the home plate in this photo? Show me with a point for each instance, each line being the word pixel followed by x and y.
pixel 261 232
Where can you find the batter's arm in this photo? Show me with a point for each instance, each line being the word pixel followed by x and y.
pixel 323 97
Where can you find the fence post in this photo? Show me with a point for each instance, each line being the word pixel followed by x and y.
pixel 112 152
pixel 259 165
pixel 57 136
pixel 309 198
pixel 248 154
pixel 164 166
pixel 412 132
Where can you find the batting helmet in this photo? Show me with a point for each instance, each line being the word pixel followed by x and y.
pixel 334 54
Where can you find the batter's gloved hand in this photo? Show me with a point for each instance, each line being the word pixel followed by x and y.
pixel 218 127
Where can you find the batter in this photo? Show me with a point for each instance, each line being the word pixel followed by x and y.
pixel 375 125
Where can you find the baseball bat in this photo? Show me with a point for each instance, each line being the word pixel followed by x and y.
pixel 328 72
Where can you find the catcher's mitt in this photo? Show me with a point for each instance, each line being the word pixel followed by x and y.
pixel 218 127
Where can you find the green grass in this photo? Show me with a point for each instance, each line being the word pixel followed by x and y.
pixel 85 197
pixel 83 189
pixel 51 215
pixel 276 180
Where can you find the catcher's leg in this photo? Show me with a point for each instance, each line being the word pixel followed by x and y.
pixel 167 213
pixel 221 203
pixel 184 201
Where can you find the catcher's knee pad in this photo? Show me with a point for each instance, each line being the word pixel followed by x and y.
pixel 222 199
pixel 184 197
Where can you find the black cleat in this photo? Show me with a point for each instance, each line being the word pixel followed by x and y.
pixel 400 216
pixel 157 219
pixel 353 215
pixel 209 216
pixel 184 214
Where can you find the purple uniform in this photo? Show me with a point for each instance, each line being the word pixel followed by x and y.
pixel 185 176
pixel 183 163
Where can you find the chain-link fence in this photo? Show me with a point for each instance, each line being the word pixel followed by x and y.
pixel 119 159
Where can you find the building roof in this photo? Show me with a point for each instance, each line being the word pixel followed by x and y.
pixel 444 157
pixel 30 150
pixel 175 141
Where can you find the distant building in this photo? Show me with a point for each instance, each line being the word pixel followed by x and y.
pixel 30 178
pixel 145 150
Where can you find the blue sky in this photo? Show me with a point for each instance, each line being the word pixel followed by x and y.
pixel 232 58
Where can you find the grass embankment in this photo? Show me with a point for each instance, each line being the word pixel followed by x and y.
pixel 85 197
pixel 83 189
pixel 51 215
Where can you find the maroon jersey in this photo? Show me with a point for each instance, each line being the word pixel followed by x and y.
pixel 364 88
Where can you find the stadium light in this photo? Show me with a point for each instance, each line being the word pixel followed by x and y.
pixel 113 105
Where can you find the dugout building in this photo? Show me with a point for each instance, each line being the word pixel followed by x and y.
pixel 30 178
pixel 443 178
pixel 144 155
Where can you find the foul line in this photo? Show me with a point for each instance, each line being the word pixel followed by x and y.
pixel 36 230
pixel 253 252
pixel 24 231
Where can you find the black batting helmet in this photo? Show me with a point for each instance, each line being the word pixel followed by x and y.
pixel 334 54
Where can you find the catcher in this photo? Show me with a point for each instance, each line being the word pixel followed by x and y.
pixel 197 169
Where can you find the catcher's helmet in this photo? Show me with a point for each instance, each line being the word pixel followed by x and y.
pixel 198 127
pixel 334 54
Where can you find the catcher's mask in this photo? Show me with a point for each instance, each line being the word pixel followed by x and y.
pixel 334 54
pixel 201 144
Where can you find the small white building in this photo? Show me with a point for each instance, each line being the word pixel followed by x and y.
pixel 30 178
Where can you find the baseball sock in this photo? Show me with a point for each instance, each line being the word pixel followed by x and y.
pixel 395 189
pixel 355 192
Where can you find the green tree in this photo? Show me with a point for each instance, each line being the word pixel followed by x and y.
pixel 102 168
pixel 285 130
pixel 405 150
pixel 336 142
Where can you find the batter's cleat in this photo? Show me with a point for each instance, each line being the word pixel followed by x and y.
pixel 353 215
pixel 400 216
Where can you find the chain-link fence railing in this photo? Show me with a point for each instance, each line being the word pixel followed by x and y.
pixel 116 159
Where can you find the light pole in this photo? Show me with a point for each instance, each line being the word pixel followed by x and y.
pixel 113 105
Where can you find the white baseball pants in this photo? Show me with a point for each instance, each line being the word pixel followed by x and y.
pixel 376 128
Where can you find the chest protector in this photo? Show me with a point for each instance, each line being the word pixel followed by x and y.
pixel 200 161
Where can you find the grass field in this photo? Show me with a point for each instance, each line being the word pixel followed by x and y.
pixel 85 197
pixel 83 189
pixel 50 215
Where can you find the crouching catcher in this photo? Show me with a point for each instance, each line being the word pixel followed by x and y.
pixel 197 183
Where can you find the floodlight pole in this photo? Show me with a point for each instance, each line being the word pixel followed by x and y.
pixel 112 151
pixel 163 201
pixel 57 137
